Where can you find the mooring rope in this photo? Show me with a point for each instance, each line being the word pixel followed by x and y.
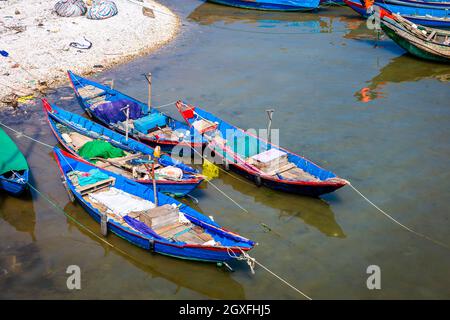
pixel 81 225
pixel 245 256
pixel 395 220
pixel 251 263
pixel 26 136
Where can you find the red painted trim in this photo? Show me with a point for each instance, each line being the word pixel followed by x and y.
pixel 219 248
pixel 77 157
pixel 354 4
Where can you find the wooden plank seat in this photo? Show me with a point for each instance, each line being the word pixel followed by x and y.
pixel 204 125
pixel 93 187
pixel 89 92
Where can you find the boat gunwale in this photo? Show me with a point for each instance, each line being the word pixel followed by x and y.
pixel 162 241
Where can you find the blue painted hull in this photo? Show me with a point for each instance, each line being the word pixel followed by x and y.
pixel 325 181
pixel 272 5
pixel 301 189
pixel 431 17
pixel 15 186
pixel 87 127
pixel 166 145
pixel 229 240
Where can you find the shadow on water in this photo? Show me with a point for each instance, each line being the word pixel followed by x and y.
pixel 214 283
pixel 23 217
pixel 314 212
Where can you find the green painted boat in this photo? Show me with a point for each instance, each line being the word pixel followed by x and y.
pixel 420 41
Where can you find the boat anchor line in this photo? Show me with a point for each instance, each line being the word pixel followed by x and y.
pixel 419 234
pixel 252 262
pixel 245 256
pixel 396 221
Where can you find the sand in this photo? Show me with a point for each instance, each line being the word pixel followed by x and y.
pixel 37 40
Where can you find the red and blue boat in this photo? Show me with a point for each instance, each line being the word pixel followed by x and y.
pixel 197 237
pixel 257 159
pixel 73 131
pixel 14 170
pixel 427 13
pixel 274 5
pixel 147 125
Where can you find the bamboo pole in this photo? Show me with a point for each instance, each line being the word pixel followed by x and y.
pixel 149 102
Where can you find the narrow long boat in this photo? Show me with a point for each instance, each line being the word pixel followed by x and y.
pixel 258 160
pixel 274 5
pixel 126 208
pixel 423 42
pixel 14 170
pixel 427 15
pixel 109 107
pixel 74 131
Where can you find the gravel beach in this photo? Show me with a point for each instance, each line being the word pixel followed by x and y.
pixel 38 42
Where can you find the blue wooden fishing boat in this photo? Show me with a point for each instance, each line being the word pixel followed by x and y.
pixel 109 107
pixel 74 131
pixel 14 170
pixel 172 228
pixel 257 159
pixel 276 5
pixel 432 15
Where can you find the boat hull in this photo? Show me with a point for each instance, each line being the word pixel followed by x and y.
pixel 174 188
pixel 414 46
pixel 152 244
pixel 165 145
pixel 320 181
pixel 15 186
pixel 270 5
pixel 305 189
pixel 431 17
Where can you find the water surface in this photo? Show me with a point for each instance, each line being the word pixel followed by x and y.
pixel 351 103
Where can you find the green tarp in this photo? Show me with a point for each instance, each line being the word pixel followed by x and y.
pixel 11 159
pixel 100 149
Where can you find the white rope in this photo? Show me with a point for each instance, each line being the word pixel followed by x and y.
pixel 164 105
pixel 251 263
pixel 22 134
pixel 218 189
pixel 396 221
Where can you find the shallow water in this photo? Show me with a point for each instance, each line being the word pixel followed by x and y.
pixel 355 105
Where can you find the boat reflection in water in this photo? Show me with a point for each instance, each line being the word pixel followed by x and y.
pixel 204 279
pixel 19 213
pixel 314 212
pixel 402 69
pixel 305 22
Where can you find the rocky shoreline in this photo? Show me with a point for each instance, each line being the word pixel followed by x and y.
pixel 37 42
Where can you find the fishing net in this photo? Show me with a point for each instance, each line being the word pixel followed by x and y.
pixel 102 9
pixel 70 8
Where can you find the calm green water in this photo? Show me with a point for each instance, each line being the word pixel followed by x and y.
pixel 390 139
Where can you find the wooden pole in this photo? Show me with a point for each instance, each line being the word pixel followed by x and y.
pixel 156 155
pixel 149 102
pixel 126 124
pixel 155 195
pixel 269 125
